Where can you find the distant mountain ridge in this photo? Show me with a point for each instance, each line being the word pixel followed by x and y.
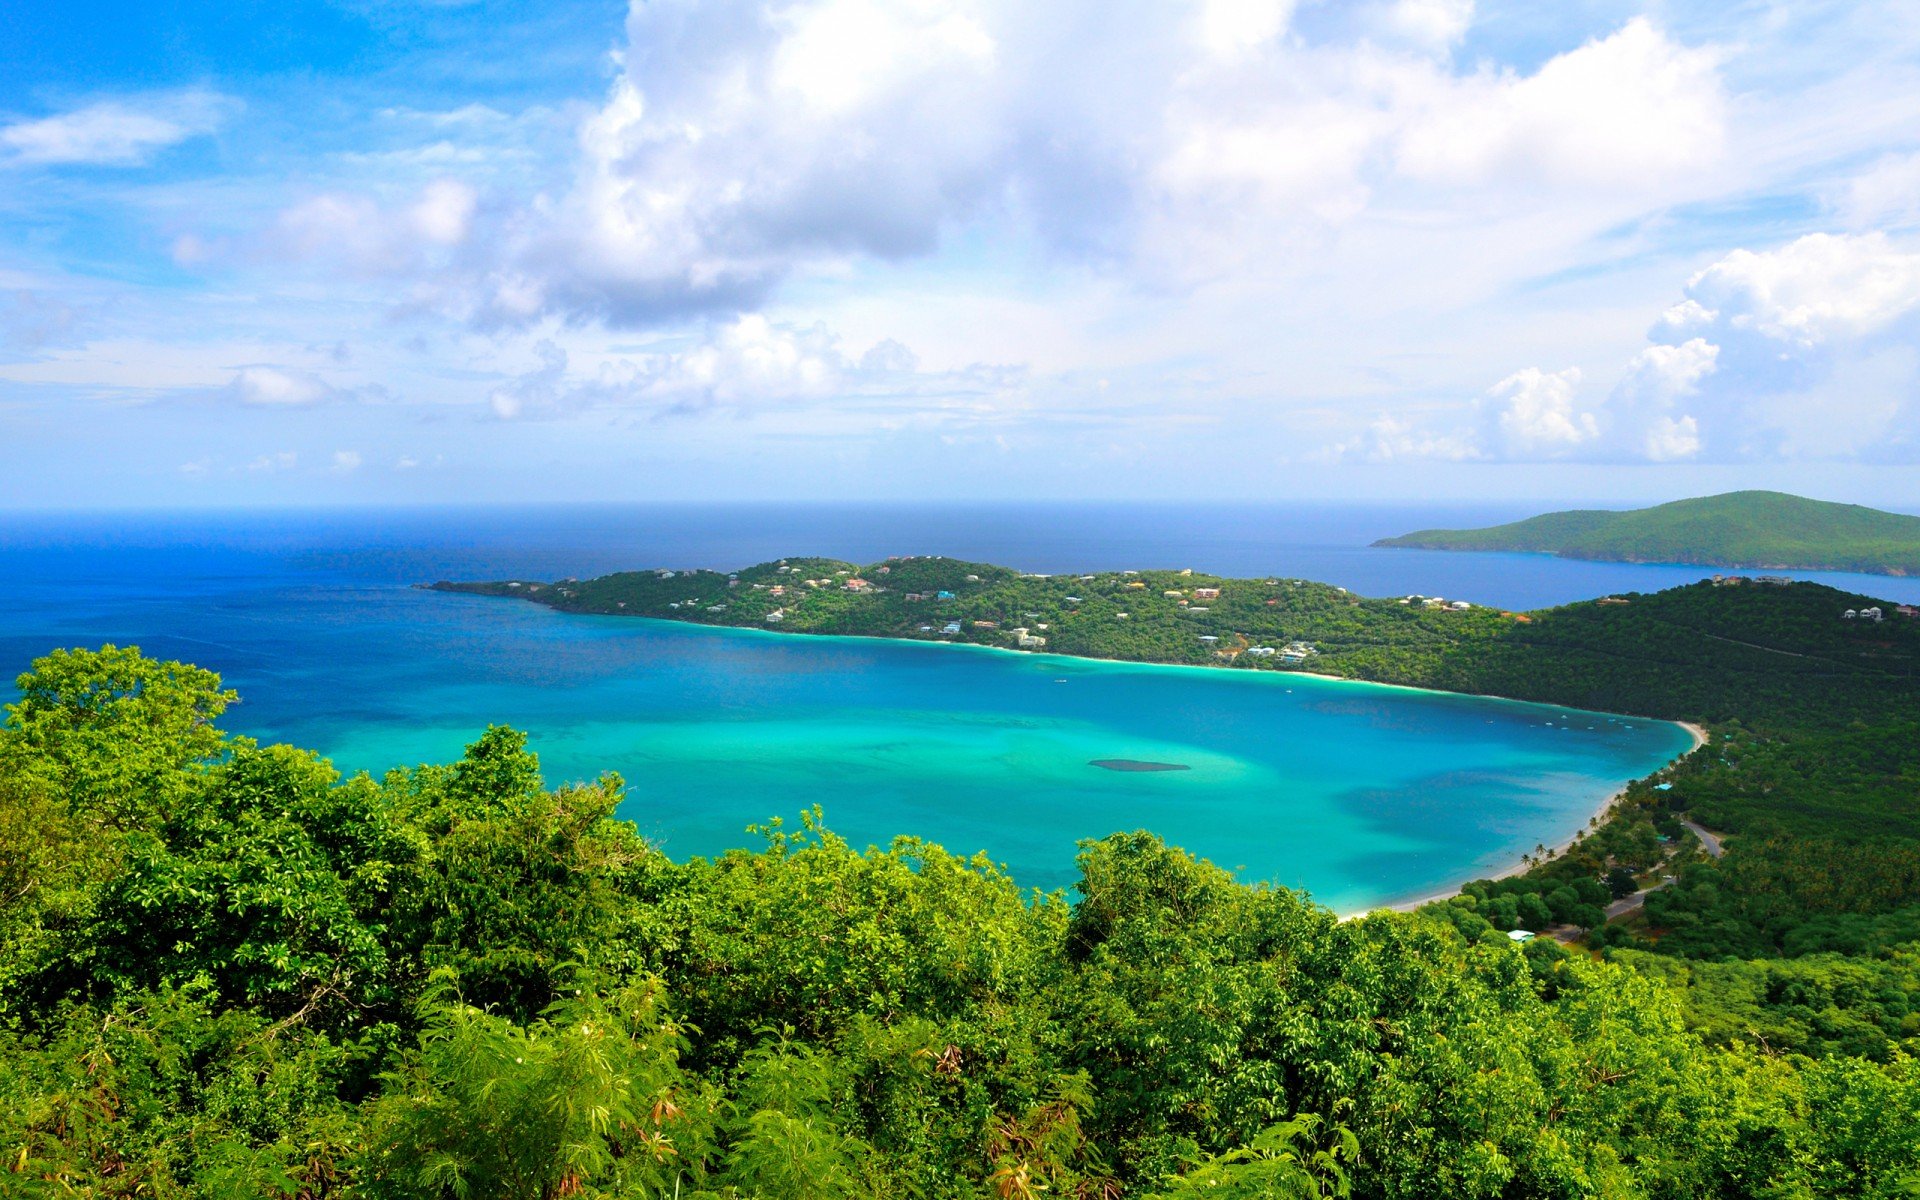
pixel 1742 530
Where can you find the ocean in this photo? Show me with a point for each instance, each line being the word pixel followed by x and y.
pixel 1359 794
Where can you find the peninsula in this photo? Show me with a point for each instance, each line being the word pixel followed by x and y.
pixel 1741 530
pixel 1701 653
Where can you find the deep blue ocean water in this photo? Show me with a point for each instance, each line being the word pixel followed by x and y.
pixel 1361 794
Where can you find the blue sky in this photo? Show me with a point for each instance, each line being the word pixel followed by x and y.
pixel 391 251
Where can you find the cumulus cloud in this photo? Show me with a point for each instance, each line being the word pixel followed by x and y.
pixel 1807 350
pixel 444 212
pixel 1390 438
pixel 1531 414
pixel 1230 28
pixel 1814 290
pixel 1814 349
pixel 118 133
pixel 744 143
pixel 345 462
pixel 1642 409
pixel 1539 416
pixel 541 388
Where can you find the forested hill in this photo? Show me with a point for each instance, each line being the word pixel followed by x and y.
pixel 1742 530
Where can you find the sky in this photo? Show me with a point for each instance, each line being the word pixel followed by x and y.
pixel 397 251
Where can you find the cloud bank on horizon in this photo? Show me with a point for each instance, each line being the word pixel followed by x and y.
pixel 958 247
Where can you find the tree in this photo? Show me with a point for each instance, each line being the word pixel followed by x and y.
pixel 1621 883
pixel 590 1093
pixel 1279 1164
pixel 115 729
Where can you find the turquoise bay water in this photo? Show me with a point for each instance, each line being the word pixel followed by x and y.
pixel 1360 794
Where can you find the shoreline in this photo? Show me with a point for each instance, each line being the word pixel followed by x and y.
pixel 1520 866
pixel 1517 866
pixel 1213 668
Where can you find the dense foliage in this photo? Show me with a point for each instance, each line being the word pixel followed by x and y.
pixel 1763 530
pixel 227 972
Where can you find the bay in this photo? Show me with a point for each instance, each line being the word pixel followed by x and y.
pixel 1357 793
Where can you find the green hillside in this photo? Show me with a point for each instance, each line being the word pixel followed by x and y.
pixel 1745 530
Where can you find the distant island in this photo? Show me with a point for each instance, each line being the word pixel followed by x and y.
pixel 1740 530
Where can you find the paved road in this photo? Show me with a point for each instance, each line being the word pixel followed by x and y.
pixel 1708 841
pixel 1633 903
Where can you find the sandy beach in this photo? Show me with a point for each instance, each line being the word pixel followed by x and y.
pixel 1520 866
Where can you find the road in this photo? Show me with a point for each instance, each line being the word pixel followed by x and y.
pixel 1633 903
pixel 1710 842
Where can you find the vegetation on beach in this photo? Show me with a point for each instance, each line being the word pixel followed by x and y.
pixel 227 972
pixel 1756 530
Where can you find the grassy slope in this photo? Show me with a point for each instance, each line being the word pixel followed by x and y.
pixel 1738 529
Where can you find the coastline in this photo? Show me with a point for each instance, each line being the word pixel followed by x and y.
pixel 1216 669
pixel 1520 866
pixel 1517 866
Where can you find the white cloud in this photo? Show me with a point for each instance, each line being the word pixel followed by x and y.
pixel 748 145
pixel 1531 414
pixel 1803 351
pixel 268 464
pixel 1230 28
pixel 1686 316
pixel 345 462
pixel 1820 287
pixel 1669 439
pixel 1641 410
pixel 751 360
pixel 1389 438
pixel 359 235
pixel 1663 374
pixel 747 366
pixel 1536 416
pixel 1611 113
pixel 116 132
pixel 541 387
pixel 275 387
